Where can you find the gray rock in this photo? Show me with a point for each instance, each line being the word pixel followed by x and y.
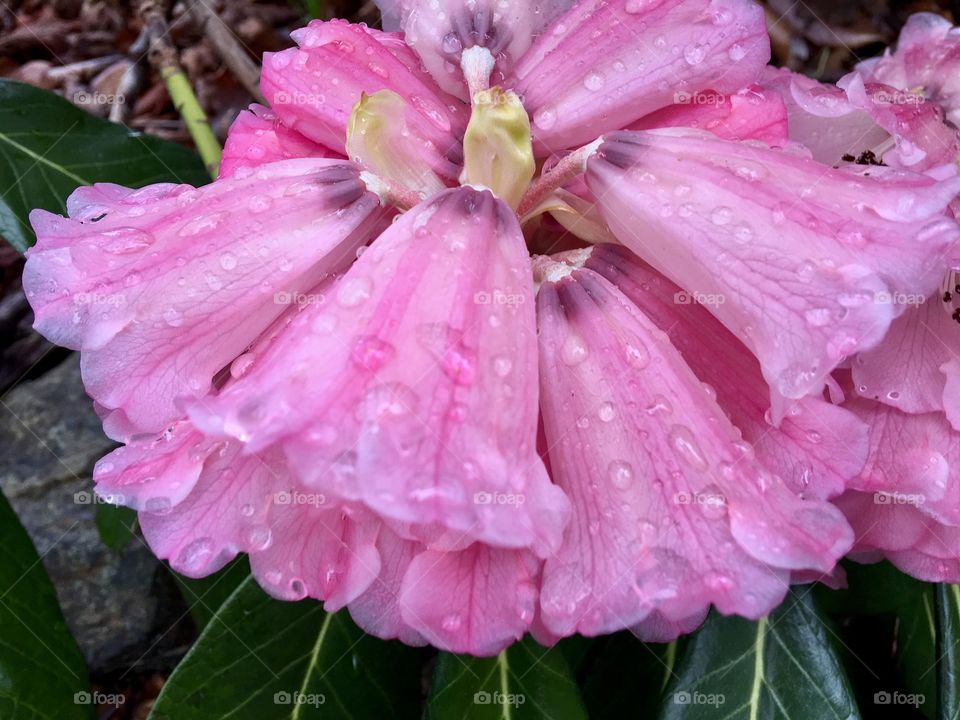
pixel 50 438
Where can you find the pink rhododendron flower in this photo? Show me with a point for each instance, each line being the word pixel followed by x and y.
pixel 528 318
pixel 926 60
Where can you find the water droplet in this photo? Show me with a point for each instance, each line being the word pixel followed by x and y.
pixel 298 589
pixel 686 447
pixel 817 317
pixel 574 350
pixel 607 411
pixel 196 554
pixel 737 52
pixel 621 474
pixel 451 622
pixel 721 215
pixel 354 291
pixel 593 81
pixel 502 365
pixel 228 261
pixel 260 537
pixel 173 317
pixel 659 405
pixel 260 203
pixel 545 118
pixel 372 353
pixel 694 54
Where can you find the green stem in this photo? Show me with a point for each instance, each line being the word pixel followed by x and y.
pixel 186 103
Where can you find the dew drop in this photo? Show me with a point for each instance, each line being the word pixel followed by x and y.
pixel 621 474
pixel 354 291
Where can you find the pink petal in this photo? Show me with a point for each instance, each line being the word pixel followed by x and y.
pixel 914 460
pixel 257 137
pixel 225 512
pixel 911 540
pixel 328 553
pixel 476 601
pixel 923 140
pixel 440 30
pixel 822 118
pixel 377 609
pixel 899 126
pixel 672 512
pixel 793 257
pixel 155 473
pixel 817 447
pixel 750 114
pixel 604 65
pixel 415 391
pixel 910 368
pixel 162 287
pixel 312 88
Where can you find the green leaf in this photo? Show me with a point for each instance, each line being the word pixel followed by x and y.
pixel 889 630
pixel 628 677
pixel 263 659
pixel 116 525
pixel 783 666
pixel 48 147
pixel 204 596
pixel 948 651
pixel 42 674
pixel 524 681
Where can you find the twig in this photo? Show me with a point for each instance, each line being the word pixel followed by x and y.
pixel 131 84
pixel 163 56
pixel 83 68
pixel 228 47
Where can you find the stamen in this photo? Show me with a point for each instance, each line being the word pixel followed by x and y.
pixel 551 269
pixel 477 64
pixel 951 294
pixel 390 195
pixel 563 172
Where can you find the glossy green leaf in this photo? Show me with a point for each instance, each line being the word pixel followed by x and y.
pixel 42 674
pixel 784 666
pixel 48 147
pixel 948 651
pixel 888 628
pixel 116 525
pixel 204 596
pixel 263 659
pixel 628 678
pixel 524 682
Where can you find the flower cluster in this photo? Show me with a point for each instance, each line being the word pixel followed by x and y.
pixel 551 316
